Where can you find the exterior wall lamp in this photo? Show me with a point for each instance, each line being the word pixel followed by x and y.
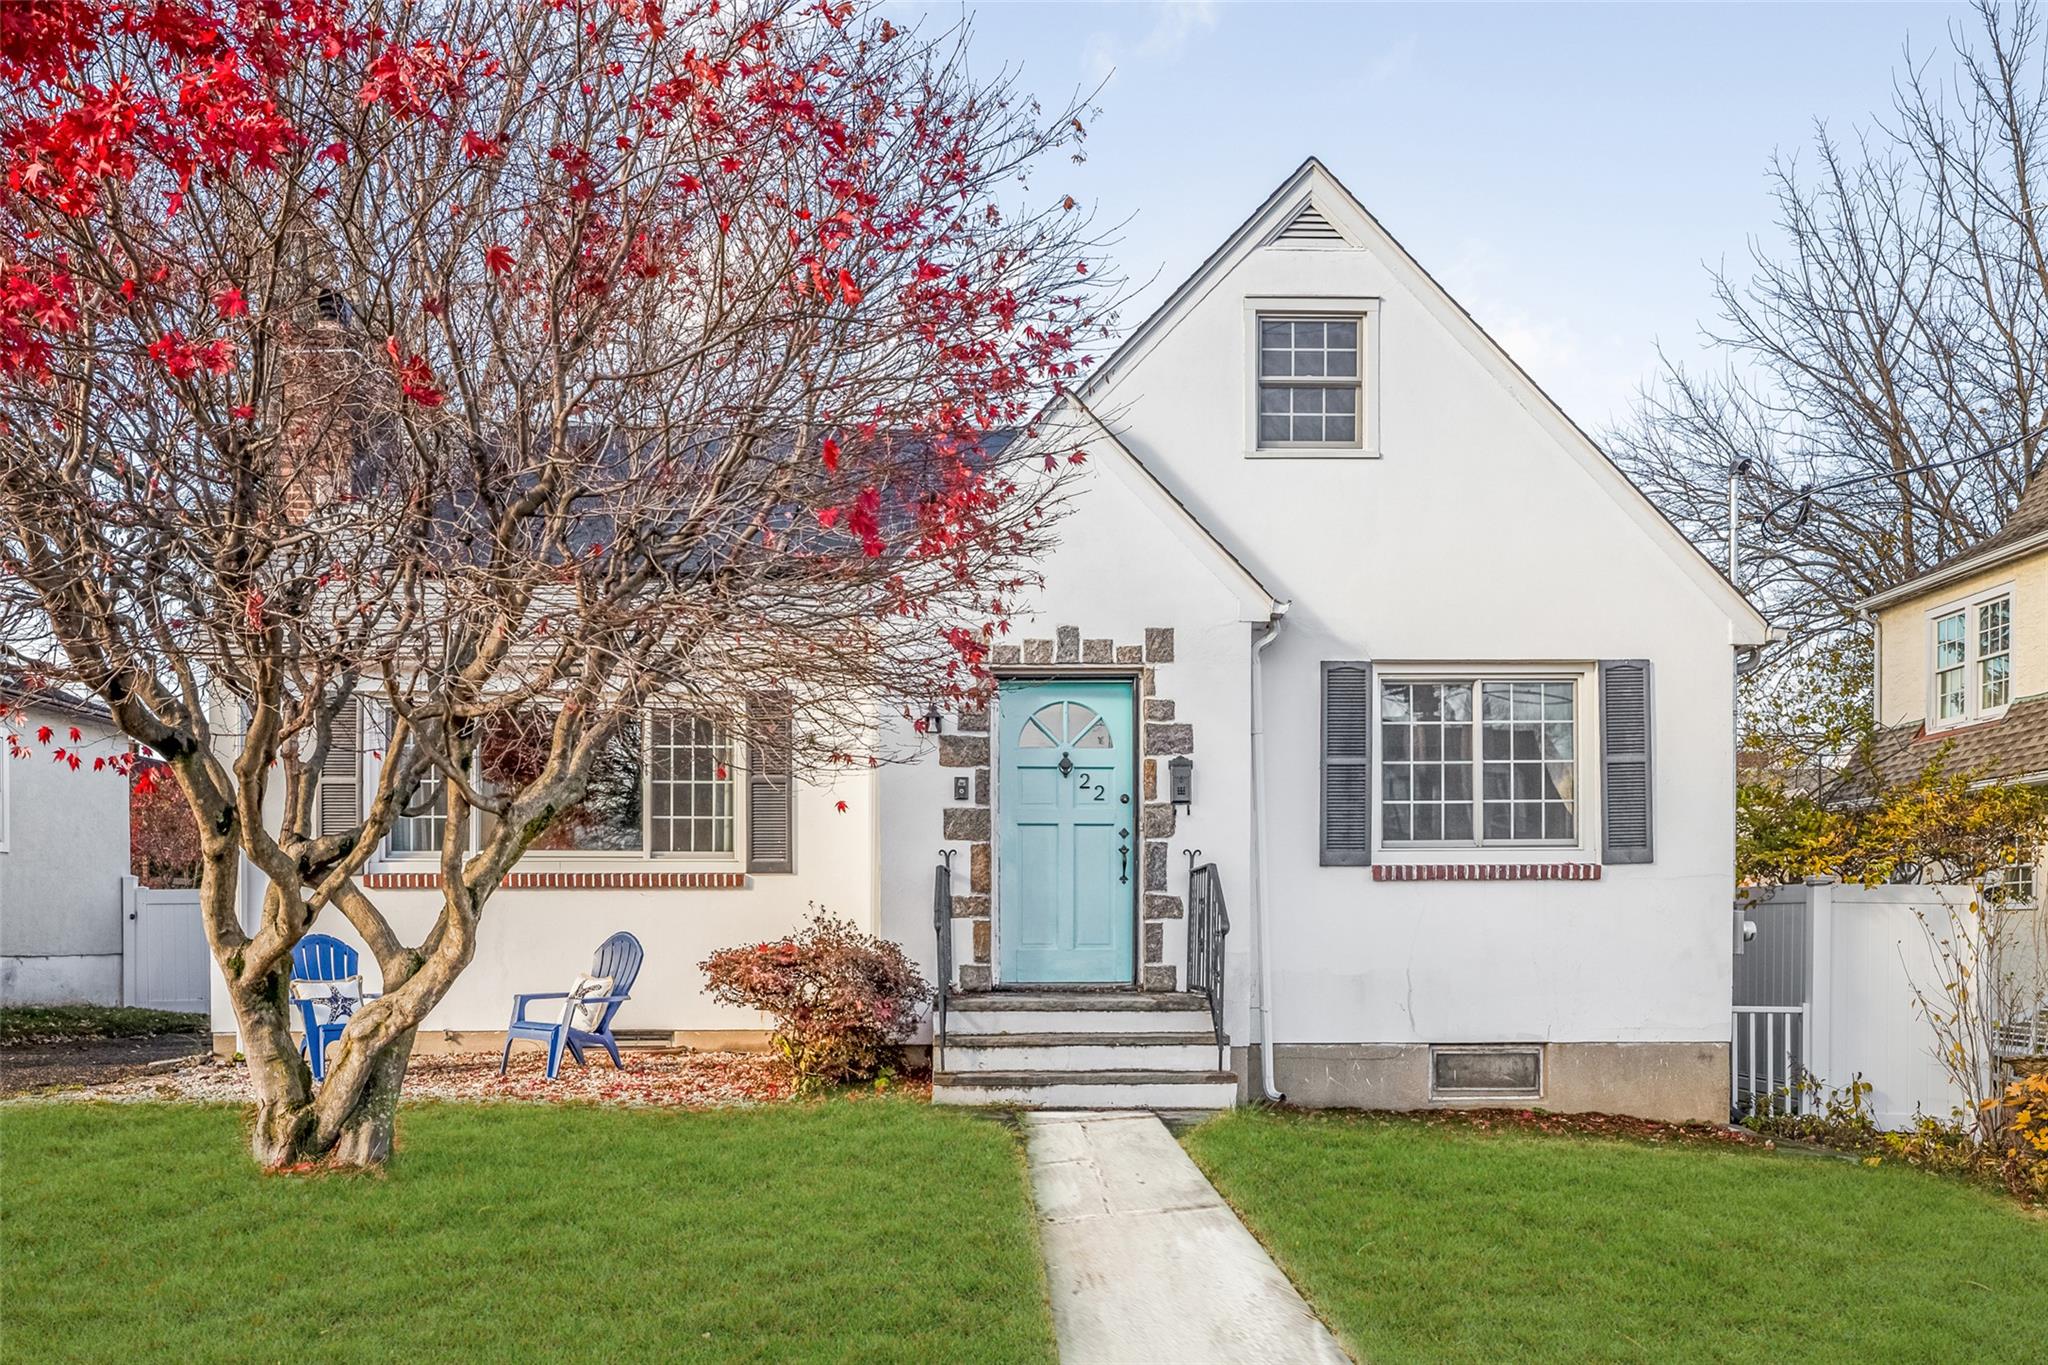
pixel 933 721
pixel 1180 781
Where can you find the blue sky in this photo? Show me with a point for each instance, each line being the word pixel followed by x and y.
pixel 1566 171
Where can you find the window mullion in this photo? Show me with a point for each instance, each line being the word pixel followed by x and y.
pixel 1479 839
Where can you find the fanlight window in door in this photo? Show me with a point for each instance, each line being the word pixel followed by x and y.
pixel 1064 725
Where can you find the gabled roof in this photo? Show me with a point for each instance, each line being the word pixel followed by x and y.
pixel 1313 187
pixel 2012 748
pixel 17 694
pixel 1257 600
pixel 2024 532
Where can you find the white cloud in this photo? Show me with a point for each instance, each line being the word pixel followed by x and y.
pixel 1174 25
pixel 1590 378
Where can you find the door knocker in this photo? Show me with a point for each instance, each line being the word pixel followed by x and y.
pixel 1066 765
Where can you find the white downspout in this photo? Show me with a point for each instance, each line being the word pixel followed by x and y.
pixel 1261 933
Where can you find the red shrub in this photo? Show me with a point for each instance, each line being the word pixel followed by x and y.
pixel 842 1002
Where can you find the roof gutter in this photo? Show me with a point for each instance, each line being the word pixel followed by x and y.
pixel 1262 931
pixel 1953 570
pixel 1750 657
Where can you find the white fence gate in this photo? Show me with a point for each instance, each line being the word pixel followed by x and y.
pixel 1826 990
pixel 1767 1060
pixel 164 961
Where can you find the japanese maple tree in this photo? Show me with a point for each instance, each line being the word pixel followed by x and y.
pixel 163 839
pixel 503 366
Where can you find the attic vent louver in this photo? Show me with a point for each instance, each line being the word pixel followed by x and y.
pixel 1309 225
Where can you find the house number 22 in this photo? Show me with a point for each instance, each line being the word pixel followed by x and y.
pixel 1088 784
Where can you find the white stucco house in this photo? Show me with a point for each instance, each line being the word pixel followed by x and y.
pixel 63 851
pixel 1351 631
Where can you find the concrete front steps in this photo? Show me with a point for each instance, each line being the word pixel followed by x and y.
pixel 1081 1050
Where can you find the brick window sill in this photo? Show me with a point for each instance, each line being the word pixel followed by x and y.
pixel 1486 872
pixel 571 881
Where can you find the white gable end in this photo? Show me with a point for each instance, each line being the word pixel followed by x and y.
pixel 1462 452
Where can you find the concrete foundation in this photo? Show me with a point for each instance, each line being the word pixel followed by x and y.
pixel 1670 1082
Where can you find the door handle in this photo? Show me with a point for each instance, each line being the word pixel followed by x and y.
pixel 1123 864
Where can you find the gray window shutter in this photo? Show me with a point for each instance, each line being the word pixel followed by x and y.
pixel 338 800
pixel 1627 823
pixel 771 796
pixel 1347 764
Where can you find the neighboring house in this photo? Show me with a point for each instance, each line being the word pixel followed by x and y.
pixel 1961 667
pixel 63 852
pixel 1349 629
pixel 1961 680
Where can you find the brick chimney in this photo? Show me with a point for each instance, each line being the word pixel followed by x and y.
pixel 322 368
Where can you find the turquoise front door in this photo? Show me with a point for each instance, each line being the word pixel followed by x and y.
pixel 1066 846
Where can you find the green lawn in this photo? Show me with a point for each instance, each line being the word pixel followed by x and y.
pixel 1435 1242
pixel 871 1230
pixel 68 1023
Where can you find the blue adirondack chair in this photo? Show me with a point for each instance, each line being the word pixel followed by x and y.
pixel 619 958
pixel 319 957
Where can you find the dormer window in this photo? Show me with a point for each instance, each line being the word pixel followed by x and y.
pixel 1973 659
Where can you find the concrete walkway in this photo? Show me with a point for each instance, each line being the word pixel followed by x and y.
pixel 1146 1261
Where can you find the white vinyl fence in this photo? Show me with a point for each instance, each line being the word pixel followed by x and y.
pixel 1826 987
pixel 164 961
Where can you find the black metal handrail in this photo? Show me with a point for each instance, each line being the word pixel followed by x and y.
pixel 942 926
pixel 1208 926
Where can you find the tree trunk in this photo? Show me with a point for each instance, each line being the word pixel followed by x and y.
pixel 278 1075
pixel 363 1134
pixel 293 1127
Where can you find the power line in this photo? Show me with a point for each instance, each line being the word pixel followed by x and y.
pixel 1805 496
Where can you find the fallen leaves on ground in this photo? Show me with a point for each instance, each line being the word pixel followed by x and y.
pixel 662 1079
pixel 1591 1125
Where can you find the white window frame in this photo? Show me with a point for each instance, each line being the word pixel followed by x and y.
pixel 567 859
pixel 384 849
pixel 1974 711
pixel 1584 678
pixel 2032 871
pixel 735 799
pixel 1366 313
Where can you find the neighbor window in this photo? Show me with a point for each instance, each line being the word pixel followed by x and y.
pixel 1479 760
pixel 2012 888
pixel 1973 659
pixel 1951 646
pixel 1994 654
pixel 1309 381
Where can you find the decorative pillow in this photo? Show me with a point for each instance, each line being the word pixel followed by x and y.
pixel 578 1015
pixel 334 1002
